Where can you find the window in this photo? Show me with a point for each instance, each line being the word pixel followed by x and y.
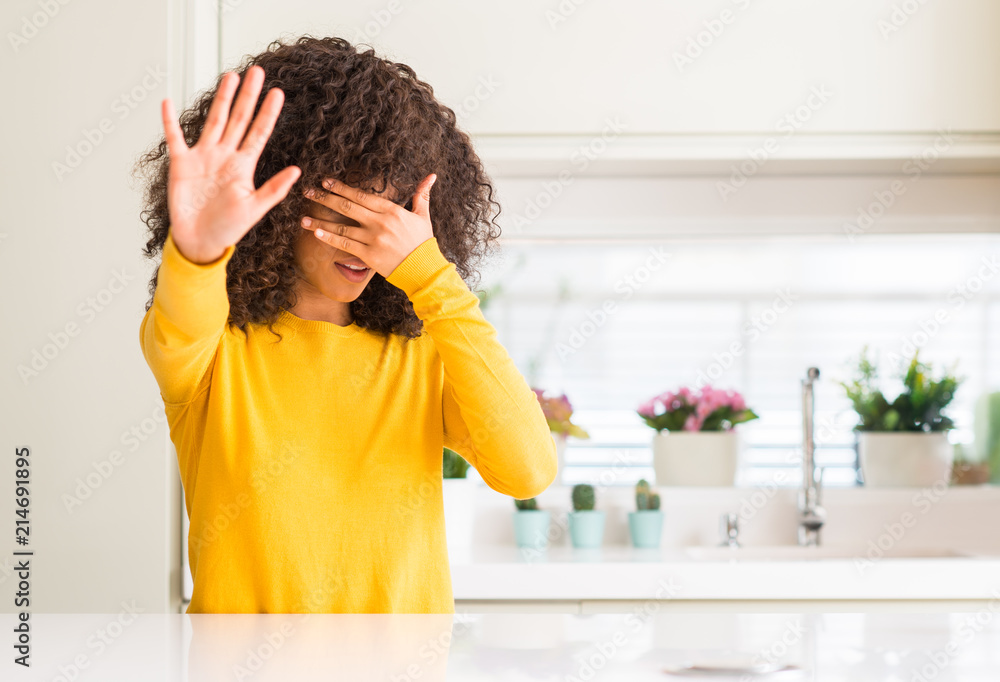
pixel 611 324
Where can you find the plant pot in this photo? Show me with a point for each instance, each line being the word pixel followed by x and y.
pixel 531 528
pixel 458 495
pixel 646 527
pixel 696 458
pixel 901 459
pixel 586 528
pixel 560 439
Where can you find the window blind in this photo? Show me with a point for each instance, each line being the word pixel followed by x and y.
pixel 595 320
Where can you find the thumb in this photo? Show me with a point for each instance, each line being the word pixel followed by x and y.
pixel 422 197
pixel 270 194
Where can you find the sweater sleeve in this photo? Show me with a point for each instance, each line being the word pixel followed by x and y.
pixel 180 332
pixel 491 416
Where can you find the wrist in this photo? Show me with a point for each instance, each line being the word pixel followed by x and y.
pixel 197 254
pixel 418 266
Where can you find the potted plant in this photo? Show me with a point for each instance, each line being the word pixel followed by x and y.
pixel 903 442
pixel 967 471
pixel 645 524
pixel 586 524
pixel 695 443
pixel 557 411
pixel 531 524
pixel 457 493
pixel 986 426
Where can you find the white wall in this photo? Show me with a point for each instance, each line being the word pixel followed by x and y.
pixel 66 237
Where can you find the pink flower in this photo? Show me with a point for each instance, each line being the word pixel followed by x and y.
pixel 737 403
pixel 694 407
pixel 703 409
pixel 648 408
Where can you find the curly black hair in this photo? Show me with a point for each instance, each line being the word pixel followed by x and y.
pixel 368 121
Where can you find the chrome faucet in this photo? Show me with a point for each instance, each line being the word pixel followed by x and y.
pixel 729 528
pixel 811 514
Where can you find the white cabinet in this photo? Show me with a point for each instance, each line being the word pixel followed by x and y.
pixel 732 66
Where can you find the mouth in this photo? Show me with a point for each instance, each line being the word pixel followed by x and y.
pixel 353 272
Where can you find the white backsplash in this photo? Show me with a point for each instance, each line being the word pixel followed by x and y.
pixel 960 517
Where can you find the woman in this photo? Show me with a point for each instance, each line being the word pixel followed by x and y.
pixel 313 338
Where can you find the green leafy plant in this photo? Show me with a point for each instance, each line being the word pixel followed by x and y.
pixel 530 504
pixel 454 466
pixel 645 498
pixel 584 497
pixel 918 407
pixel 986 426
pixel 486 296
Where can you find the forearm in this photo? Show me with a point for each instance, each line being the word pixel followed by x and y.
pixel 504 432
pixel 180 332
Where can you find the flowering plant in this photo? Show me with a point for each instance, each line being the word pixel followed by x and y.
pixel 708 410
pixel 557 411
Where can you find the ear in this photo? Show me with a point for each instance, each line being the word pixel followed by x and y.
pixel 422 196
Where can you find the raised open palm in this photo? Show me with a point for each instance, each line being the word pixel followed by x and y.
pixel 210 192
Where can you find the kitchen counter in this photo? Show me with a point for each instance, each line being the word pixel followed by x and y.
pixel 489 573
pixel 640 646
pixel 623 573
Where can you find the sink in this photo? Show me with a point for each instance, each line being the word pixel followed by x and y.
pixel 797 553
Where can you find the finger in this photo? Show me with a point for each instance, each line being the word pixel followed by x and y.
pixel 176 144
pixel 354 232
pixel 372 202
pixel 246 102
pixel 263 124
pixel 276 188
pixel 422 197
pixel 351 246
pixel 219 111
pixel 342 205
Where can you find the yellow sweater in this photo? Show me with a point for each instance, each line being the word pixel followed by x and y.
pixel 311 466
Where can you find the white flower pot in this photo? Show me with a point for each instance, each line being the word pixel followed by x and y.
pixel 905 459
pixel 560 439
pixel 458 496
pixel 696 458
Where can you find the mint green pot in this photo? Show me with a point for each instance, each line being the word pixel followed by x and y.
pixel 531 528
pixel 586 528
pixel 646 527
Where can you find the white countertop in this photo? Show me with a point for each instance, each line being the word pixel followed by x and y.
pixel 860 647
pixel 625 573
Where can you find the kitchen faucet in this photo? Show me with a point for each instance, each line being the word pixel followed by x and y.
pixel 729 527
pixel 811 514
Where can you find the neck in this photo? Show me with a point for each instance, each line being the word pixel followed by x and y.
pixel 311 304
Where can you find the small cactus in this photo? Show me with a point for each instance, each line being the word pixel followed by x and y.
pixel 645 498
pixel 583 497
pixel 530 504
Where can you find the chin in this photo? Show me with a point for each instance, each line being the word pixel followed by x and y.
pixel 345 297
pixel 341 293
pixel 337 288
